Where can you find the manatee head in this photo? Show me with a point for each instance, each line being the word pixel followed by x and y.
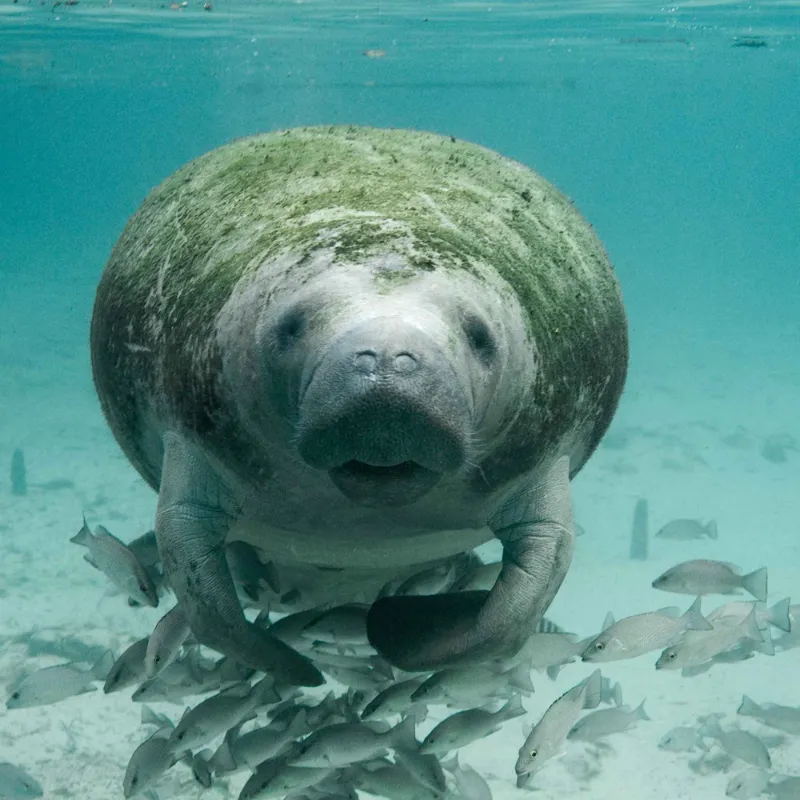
pixel 388 374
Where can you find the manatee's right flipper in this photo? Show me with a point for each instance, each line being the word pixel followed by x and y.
pixel 191 526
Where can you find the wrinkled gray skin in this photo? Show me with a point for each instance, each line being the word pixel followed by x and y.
pixel 369 400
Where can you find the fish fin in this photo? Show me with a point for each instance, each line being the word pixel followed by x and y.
pixel 593 690
pixel 608 622
pixel 640 713
pixel 697 669
pixel 102 666
pixel 92 563
pixel 748 707
pixel 756 583
pixel 710 529
pixel 694 619
pixel 298 726
pixel 749 627
pixel 266 692
pixel 403 735
pixel 519 678
pixel 553 670
pixel 779 615
pixel 223 759
pixel 84 536
pixel 766 645
pixel 616 694
pixel 513 708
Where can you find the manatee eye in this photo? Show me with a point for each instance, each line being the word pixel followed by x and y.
pixel 15 696
pixel 134 780
pixel 142 588
pixel 291 326
pixel 479 336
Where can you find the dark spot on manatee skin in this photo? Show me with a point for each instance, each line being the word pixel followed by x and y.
pixel 526 195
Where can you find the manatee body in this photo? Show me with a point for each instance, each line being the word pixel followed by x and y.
pixel 364 351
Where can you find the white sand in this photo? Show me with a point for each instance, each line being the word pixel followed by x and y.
pixel 685 394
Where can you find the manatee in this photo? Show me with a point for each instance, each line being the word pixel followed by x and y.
pixel 364 351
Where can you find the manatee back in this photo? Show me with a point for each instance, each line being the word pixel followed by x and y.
pixel 441 203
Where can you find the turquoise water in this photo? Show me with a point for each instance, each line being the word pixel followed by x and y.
pixel 676 131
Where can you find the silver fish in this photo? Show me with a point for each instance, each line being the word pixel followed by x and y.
pixel 547 737
pixel 469 783
pixel 782 718
pixel 687 529
pixel 697 647
pixel 346 743
pixel 750 783
pixel 250 749
pixel 394 699
pixel 17 784
pixel 738 743
pixel 118 563
pixel 54 684
pixel 345 624
pixel 128 669
pixel 464 727
pixel 681 740
pixel 150 760
pixel 712 577
pixel 394 782
pixel 166 640
pixel 249 571
pixel 550 650
pixel 606 721
pixel 776 615
pixel 276 778
pixel 430 581
pixel 482 577
pixel 215 715
pixel 473 684
pixel 641 633
pixel 426 769
pixel 787 788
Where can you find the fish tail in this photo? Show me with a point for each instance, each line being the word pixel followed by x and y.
pixel 756 583
pixel 779 615
pixel 640 713
pixel 711 529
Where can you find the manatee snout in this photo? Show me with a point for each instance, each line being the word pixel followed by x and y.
pixel 384 413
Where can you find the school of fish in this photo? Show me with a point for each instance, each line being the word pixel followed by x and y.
pixel 359 731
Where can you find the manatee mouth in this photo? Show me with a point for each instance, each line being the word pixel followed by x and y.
pixel 384 485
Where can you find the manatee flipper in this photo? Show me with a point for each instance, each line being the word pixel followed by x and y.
pixel 427 633
pixel 191 527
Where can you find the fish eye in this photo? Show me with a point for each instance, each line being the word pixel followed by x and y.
pixel 134 780
pixel 599 646
pixel 142 588
pixel 15 696
pixel 534 753
pixel 157 659
pixel 671 656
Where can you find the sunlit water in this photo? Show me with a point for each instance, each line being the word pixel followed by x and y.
pixel 675 129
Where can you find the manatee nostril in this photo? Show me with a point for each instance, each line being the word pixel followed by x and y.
pixel 405 362
pixel 365 361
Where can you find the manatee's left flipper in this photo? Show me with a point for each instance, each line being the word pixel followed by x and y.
pixel 427 633
pixel 191 527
